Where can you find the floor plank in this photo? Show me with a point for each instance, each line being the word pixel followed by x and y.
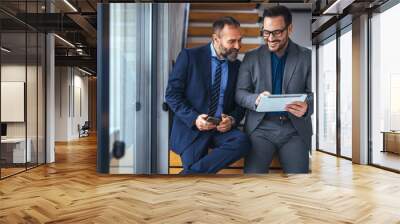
pixel 70 191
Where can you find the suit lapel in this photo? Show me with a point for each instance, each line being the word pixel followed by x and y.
pixel 290 66
pixel 265 64
pixel 206 61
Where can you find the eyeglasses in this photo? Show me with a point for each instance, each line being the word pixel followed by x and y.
pixel 275 33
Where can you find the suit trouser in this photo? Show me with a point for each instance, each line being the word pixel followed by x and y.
pixel 277 136
pixel 227 148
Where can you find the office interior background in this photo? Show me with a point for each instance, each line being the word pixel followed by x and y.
pixel 79 76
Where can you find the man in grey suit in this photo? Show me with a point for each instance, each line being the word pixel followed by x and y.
pixel 278 67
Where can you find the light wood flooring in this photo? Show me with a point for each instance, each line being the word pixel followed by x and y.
pixel 386 159
pixel 5 172
pixel 70 191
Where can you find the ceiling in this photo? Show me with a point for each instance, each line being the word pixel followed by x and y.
pixel 75 23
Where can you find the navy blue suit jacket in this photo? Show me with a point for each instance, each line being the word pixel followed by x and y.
pixel 189 91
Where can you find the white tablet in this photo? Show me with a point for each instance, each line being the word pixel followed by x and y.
pixel 275 103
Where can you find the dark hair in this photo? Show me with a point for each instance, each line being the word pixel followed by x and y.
pixel 219 24
pixel 279 10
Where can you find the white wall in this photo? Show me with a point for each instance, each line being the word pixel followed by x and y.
pixel 71 87
pixel 12 73
pixel 33 126
pixel 79 117
pixel 17 73
pixel 302 28
pixel 61 103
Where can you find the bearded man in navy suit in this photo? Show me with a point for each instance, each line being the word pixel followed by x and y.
pixel 202 85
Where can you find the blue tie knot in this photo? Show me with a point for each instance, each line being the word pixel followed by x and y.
pixel 219 62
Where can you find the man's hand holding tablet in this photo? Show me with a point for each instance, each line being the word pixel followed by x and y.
pixel 292 103
pixel 265 93
pixel 297 108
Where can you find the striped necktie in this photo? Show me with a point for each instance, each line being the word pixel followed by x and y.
pixel 215 88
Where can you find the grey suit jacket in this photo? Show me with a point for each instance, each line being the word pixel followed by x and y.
pixel 255 78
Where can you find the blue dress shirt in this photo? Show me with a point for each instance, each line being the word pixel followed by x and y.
pixel 278 68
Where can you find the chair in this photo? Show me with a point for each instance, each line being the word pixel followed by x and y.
pixel 84 130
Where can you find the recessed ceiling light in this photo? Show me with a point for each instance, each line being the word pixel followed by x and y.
pixel 5 50
pixel 338 6
pixel 70 5
pixel 84 71
pixel 64 40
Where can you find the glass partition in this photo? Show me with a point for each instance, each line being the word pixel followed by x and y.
pixel 15 151
pixel 385 89
pixel 346 93
pixel 32 98
pixel 22 88
pixel 129 86
pixel 327 96
pixel 41 111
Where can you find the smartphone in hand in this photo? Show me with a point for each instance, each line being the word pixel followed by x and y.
pixel 213 120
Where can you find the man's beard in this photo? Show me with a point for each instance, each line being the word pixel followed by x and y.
pixel 230 54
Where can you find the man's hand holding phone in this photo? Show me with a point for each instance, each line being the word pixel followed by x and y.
pixel 213 120
pixel 206 123
pixel 202 124
pixel 225 124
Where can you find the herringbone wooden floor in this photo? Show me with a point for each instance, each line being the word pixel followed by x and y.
pixel 70 191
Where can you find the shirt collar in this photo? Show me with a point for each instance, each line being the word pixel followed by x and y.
pixel 275 56
pixel 214 53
